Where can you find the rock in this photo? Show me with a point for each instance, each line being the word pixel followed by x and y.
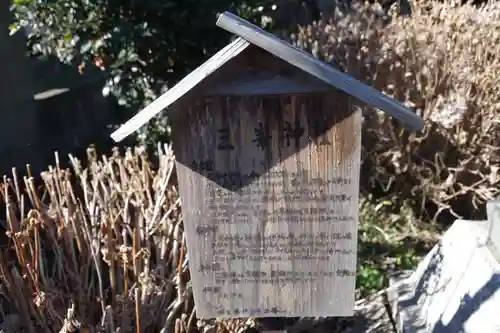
pixel 493 209
pixel 456 288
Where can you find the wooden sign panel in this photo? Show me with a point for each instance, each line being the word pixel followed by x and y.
pixel 269 187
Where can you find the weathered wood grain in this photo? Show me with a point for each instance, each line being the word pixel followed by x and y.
pixel 257 72
pixel 264 83
pixel 271 231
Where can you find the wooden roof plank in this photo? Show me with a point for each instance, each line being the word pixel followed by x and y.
pixel 318 68
pixel 250 34
pixel 185 85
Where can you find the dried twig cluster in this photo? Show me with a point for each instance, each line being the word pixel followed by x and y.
pixel 100 248
pixel 443 60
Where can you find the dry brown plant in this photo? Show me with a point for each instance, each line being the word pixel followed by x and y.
pixel 101 249
pixel 443 61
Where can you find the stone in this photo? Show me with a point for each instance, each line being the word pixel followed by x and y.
pixel 493 210
pixel 456 288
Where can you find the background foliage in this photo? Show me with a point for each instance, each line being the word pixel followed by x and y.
pixel 443 61
pixel 144 46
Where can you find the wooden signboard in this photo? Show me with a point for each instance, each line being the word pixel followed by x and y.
pixel 270 202
pixel 267 147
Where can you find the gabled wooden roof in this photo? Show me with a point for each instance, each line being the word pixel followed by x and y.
pixel 250 34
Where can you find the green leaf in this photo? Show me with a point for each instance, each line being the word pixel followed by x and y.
pixel 21 2
pixel 13 28
pixel 86 46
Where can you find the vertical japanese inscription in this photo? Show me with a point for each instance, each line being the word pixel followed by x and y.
pixel 294 132
pixel 272 226
pixel 262 136
pixel 224 139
